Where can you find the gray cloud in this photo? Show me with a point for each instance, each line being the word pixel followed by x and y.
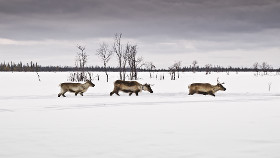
pixel 212 24
pixel 174 18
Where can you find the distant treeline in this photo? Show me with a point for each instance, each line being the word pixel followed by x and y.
pixel 34 67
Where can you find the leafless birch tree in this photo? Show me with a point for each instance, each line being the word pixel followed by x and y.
pixel 208 68
pixel 150 67
pixel 81 58
pixel 177 67
pixel 265 67
pixel 80 63
pixel 256 67
pixel 117 48
pixel 194 63
pixel 105 55
pixel 133 61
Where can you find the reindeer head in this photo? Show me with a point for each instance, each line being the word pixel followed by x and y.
pixel 147 87
pixel 220 85
pixel 90 83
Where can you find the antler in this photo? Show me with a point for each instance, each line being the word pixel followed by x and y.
pixel 218 82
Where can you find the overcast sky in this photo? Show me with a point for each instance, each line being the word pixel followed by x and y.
pixel 219 32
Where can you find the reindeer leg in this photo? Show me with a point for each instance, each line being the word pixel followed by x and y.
pixel 211 93
pixel 82 94
pixel 63 94
pixel 111 93
pixel 130 93
pixel 136 93
pixel 76 93
pixel 116 92
pixel 191 92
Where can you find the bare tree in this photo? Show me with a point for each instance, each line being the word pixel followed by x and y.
pixel 208 68
pixel 131 53
pixel 133 61
pixel 172 72
pixel 105 55
pixel 81 58
pixel 124 61
pixel 117 48
pixel 80 63
pixel 194 63
pixel 139 62
pixel 150 67
pixel 175 67
pixel 126 56
pixel 256 67
pixel 265 67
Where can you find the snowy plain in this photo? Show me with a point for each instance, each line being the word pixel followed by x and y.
pixel 242 122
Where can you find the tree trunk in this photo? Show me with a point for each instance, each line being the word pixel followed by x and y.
pixel 107 76
pixel 120 62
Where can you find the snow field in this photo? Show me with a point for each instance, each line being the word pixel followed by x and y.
pixel 241 122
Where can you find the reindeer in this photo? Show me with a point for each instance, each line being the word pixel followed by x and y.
pixel 130 87
pixel 75 88
pixel 206 88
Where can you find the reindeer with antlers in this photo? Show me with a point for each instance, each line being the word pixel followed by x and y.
pixel 206 88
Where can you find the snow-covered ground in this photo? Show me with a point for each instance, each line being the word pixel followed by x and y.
pixel 242 122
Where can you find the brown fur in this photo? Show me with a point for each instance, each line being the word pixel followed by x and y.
pixel 130 87
pixel 205 88
pixel 75 88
